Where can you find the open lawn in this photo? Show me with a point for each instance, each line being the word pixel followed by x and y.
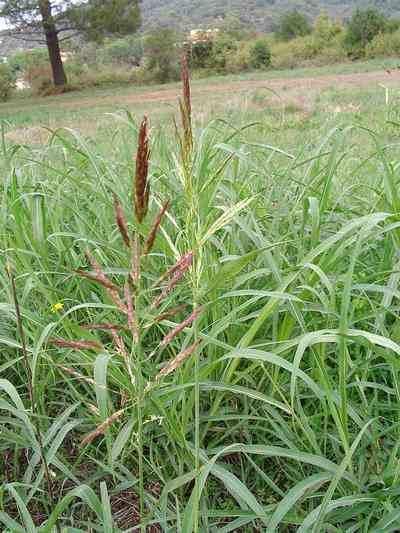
pixel 243 375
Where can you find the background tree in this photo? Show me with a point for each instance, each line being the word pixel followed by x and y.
pixel 260 54
pixel 7 81
pixel 162 55
pixel 52 21
pixel 325 28
pixel 293 24
pixel 364 25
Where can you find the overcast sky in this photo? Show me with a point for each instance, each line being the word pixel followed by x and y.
pixel 3 24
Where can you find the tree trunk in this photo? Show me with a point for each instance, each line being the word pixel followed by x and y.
pixel 53 45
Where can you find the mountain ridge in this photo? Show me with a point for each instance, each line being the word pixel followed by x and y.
pixel 261 15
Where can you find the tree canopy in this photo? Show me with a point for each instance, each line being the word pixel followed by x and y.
pixel 52 21
pixel 364 25
pixel 293 24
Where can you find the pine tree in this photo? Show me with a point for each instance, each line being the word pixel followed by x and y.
pixel 53 21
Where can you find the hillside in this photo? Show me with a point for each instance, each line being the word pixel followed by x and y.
pixel 9 45
pixel 258 14
pixel 261 14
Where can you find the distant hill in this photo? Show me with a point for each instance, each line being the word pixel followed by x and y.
pixel 259 14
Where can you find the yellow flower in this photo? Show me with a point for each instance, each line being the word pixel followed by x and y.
pixel 59 306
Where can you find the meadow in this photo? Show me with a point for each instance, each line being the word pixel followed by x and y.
pixel 212 345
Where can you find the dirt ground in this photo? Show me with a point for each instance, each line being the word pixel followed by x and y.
pixel 210 98
pixel 300 86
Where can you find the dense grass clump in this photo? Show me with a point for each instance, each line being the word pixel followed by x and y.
pixel 207 340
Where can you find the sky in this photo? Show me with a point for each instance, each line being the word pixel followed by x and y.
pixel 3 24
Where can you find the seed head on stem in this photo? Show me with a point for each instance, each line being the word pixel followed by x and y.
pixel 148 245
pixel 141 191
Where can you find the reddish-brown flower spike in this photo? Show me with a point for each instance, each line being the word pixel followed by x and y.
pixel 102 428
pixel 170 313
pixel 178 361
pixel 175 274
pixel 99 277
pixel 121 221
pixel 135 261
pixel 103 327
pixel 187 97
pixel 186 109
pixel 141 186
pixel 77 375
pixel 186 259
pixel 120 345
pixel 187 322
pixel 148 245
pixel 132 320
pixel 77 345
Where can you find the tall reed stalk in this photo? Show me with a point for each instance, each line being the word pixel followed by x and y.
pixel 141 205
pixel 192 228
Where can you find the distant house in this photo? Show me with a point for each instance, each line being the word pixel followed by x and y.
pixel 202 36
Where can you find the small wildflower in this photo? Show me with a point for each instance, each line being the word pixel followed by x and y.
pixel 55 308
pixel 154 418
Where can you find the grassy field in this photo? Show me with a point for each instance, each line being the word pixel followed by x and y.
pixel 86 111
pixel 244 374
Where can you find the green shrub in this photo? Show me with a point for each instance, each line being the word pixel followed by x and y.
pixel 23 61
pixel 293 24
pixel 201 54
pixel 364 26
pixel 39 78
pixel 162 56
pixel 238 59
pixel 392 25
pixel 291 54
pixel 333 53
pixel 260 54
pixel 224 46
pixel 127 51
pixel 7 82
pixel 87 54
pixel 384 44
pixel 326 29
pixel 103 75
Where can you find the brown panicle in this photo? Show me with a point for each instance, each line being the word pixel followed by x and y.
pixel 121 348
pixel 175 274
pixel 121 221
pixel 102 279
pixel 148 245
pixel 170 313
pixel 135 261
pixel 77 345
pixel 103 327
pixel 101 429
pixel 77 375
pixel 169 273
pixel 187 322
pixel 186 108
pixel 132 320
pixel 177 361
pixel 141 191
